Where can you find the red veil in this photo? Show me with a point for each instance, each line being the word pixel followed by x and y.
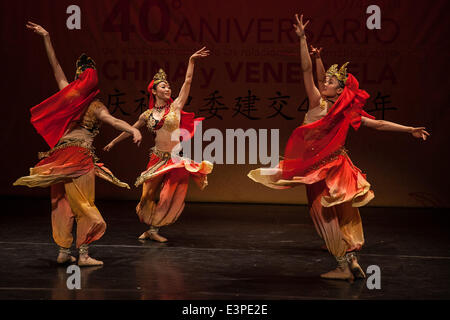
pixel 52 116
pixel 312 143
pixel 187 121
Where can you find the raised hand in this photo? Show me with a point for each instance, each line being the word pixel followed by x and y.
pixel 420 133
pixel 300 26
pixel 315 53
pixel 37 29
pixel 202 53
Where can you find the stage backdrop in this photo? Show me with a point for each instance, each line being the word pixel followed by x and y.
pixel 252 80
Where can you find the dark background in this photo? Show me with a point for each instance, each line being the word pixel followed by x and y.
pixel 404 67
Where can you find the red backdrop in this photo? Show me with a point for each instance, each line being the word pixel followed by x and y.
pixel 403 66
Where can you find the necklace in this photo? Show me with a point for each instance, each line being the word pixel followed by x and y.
pixel 155 124
pixel 160 108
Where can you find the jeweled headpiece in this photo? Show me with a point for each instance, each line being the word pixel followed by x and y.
pixel 84 62
pixel 340 74
pixel 161 76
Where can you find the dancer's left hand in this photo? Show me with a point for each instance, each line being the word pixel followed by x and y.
pixel 202 53
pixel 420 132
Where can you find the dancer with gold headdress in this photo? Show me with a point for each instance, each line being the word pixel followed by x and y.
pixel 315 156
pixel 68 121
pixel 167 173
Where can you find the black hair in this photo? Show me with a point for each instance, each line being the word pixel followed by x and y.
pixel 84 62
pixel 156 84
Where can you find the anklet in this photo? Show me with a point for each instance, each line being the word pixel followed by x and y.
pixel 84 249
pixel 153 230
pixel 64 250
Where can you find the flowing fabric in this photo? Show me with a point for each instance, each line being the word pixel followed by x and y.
pixel 315 152
pixel 161 163
pixel 339 226
pixel 315 157
pixel 313 143
pixel 65 164
pixel 168 175
pixel 52 117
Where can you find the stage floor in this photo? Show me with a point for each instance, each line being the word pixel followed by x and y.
pixel 225 251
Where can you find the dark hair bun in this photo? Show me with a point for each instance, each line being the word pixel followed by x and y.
pixel 84 60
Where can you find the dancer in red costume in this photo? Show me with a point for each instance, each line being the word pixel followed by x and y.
pixel 167 173
pixel 68 121
pixel 315 156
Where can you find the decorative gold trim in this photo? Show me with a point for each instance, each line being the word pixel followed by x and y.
pixel 108 176
pixel 159 77
pixel 150 171
pixel 171 120
pixel 164 157
pixel 323 104
pixel 70 142
pixel 89 120
pixel 333 156
pixel 160 154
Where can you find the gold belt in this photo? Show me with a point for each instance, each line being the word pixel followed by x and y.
pixel 65 143
pixel 160 154
pixel 163 154
pixel 333 156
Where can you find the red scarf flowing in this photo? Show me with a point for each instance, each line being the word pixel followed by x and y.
pixel 312 143
pixel 52 116
pixel 187 122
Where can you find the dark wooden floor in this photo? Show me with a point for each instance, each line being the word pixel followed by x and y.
pixel 225 251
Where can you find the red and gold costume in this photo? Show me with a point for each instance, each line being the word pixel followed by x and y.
pixel 68 124
pixel 167 172
pixel 315 156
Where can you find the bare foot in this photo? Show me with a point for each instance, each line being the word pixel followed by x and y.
pixel 144 236
pixel 85 261
pixel 156 237
pixel 342 272
pixel 356 268
pixel 152 236
pixel 65 258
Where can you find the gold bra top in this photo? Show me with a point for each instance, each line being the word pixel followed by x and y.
pixel 89 120
pixel 171 121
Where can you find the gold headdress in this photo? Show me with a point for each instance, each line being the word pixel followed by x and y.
pixel 341 75
pixel 159 77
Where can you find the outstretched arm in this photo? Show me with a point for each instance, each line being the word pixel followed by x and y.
pixel 311 89
pixel 320 69
pixel 134 131
pixel 384 125
pixel 60 77
pixel 184 92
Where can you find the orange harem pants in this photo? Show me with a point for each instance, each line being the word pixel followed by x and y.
pixel 171 188
pixel 340 225
pixel 74 201
pixel 335 191
pixel 70 173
